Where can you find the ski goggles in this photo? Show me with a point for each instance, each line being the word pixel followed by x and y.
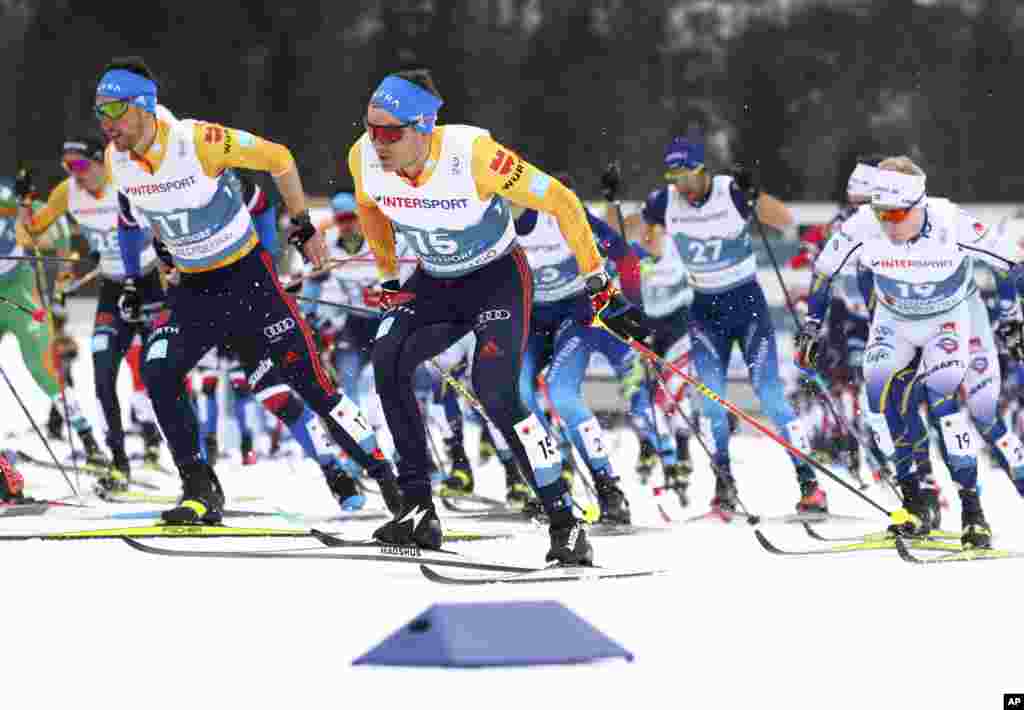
pixel 894 215
pixel 386 134
pixel 675 174
pixel 113 109
pixel 76 165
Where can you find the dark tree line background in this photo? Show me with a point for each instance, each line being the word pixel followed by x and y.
pixel 795 87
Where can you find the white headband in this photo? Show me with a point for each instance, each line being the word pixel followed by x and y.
pixel 862 180
pixel 897 190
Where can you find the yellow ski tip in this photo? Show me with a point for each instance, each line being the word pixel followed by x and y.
pixel 591 513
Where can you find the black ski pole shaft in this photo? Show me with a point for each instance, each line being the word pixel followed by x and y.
pixel 822 390
pixel 897 516
pixel 44 297
pixel 458 387
pixel 358 311
pixel 778 272
pixel 39 433
pixel 40 257
pixel 15 304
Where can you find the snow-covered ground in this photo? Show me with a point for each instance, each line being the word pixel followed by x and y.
pixel 96 624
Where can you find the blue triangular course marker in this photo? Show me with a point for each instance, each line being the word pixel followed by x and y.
pixel 494 634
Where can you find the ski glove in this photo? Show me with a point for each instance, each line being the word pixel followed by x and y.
pixel 612 311
pixel 808 345
pixel 611 179
pixel 1012 333
pixel 129 303
pixel 24 187
pixel 747 183
pixel 389 296
pixel 300 232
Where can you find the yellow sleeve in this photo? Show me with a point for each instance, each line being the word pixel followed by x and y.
pixel 376 227
pixel 56 206
pixel 220 148
pixel 497 169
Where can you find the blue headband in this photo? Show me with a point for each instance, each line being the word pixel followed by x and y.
pixel 682 153
pixel 407 102
pixel 123 84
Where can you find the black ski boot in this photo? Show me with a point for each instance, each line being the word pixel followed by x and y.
pixel 384 475
pixel 516 491
pixel 151 439
pixel 645 462
pixel 933 504
pixel 248 454
pixel 614 506
pixel 120 473
pixel 677 479
pixel 12 485
pixel 975 531
pixel 460 478
pixel 202 498
pixel 93 454
pixel 725 500
pixel 812 497
pixel 915 513
pixel 212 450
pixel 683 450
pixel 55 423
pixel 487 449
pixel 343 487
pixel 569 544
pixel 415 524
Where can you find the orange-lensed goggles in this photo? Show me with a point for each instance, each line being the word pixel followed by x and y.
pixel 385 134
pixel 76 165
pixel 895 215
pixel 892 216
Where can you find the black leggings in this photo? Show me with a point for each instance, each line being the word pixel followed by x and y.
pixel 242 305
pixel 111 338
pixel 495 302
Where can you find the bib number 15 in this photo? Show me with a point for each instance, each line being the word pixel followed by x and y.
pixel 432 242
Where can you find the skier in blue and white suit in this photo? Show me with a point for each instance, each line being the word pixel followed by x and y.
pixel 710 220
pixel 921 251
pixel 560 333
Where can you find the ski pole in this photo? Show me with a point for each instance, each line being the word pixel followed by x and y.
pixel 898 517
pixel 77 284
pixel 563 434
pixel 590 513
pixel 357 311
pixel 40 257
pixel 37 316
pixel 42 438
pixel 335 263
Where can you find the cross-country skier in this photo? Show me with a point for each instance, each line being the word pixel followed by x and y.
pixel 175 177
pixel 711 219
pixel 921 251
pixel 88 196
pixel 21 310
pixel 447 190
